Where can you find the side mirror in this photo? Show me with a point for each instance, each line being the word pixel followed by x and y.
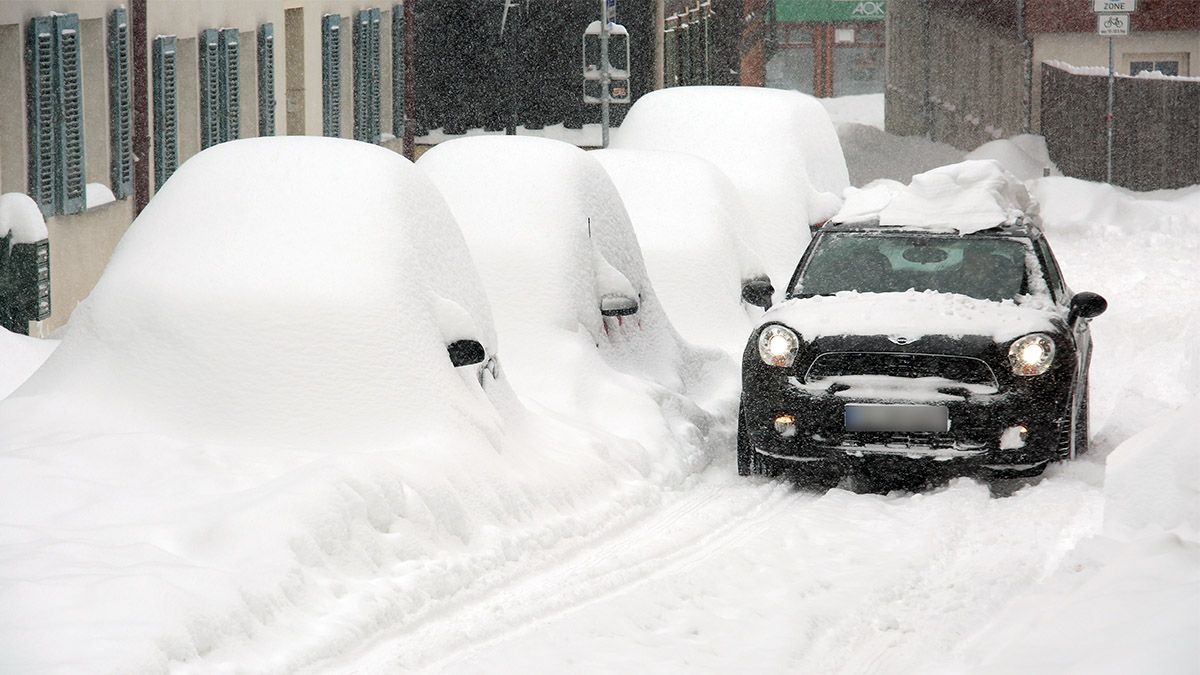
pixel 1086 305
pixel 466 352
pixel 758 292
pixel 618 305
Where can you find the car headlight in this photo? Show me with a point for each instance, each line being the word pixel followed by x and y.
pixel 1031 355
pixel 777 346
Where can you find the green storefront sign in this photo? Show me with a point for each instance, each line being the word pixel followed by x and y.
pixel 789 11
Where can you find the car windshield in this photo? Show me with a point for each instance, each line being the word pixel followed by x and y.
pixel 988 268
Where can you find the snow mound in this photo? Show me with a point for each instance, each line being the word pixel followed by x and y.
pixel 859 109
pixel 21 218
pixel 911 314
pixel 687 216
pixel 1153 478
pixel 778 147
pixel 968 197
pixel 1024 156
pixel 1077 207
pixel 300 309
pixel 20 355
pixel 98 194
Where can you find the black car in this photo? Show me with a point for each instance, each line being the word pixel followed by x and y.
pixel 919 350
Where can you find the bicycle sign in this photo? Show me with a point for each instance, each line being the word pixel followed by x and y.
pixel 1112 24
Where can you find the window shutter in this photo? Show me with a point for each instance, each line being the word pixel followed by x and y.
pixel 362 74
pixel 72 188
pixel 376 71
pixel 399 44
pixel 331 75
pixel 166 113
pixel 210 87
pixel 40 101
pixel 231 86
pixel 121 124
pixel 266 80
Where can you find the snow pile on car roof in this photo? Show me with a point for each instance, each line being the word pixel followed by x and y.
pixel 689 221
pixel 910 314
pixel 967 197
pixel 778 147
pixel 267 292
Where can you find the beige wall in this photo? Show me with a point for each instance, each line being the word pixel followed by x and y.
pixel 1083 49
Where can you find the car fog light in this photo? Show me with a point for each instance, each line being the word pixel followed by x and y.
pixel 785 425
pixel 1014 437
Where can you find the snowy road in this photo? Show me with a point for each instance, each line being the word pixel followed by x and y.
pixel 735 575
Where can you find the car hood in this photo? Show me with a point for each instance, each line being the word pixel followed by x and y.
pixel 914 317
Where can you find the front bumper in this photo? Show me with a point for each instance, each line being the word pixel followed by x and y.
pixel 982 437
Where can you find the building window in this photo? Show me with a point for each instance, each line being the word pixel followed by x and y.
pixel 331 75
pixel 121 123
pixel 1164 67
pixel 55 114
pixel 219 86
pixel 366 75
pixel 1167 63
pixel 166 112
pixel 266 80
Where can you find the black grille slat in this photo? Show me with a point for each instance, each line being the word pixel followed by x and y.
pixel 963 369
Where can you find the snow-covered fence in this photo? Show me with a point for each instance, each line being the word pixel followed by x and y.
pixel 1156 126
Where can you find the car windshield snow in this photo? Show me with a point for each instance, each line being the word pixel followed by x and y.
pixel 987 268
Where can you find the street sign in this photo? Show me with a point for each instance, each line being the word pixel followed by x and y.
pixel 1112 24
pixel 1114 6
pixel 611 10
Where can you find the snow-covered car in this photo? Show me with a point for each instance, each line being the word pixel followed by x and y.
pixel 583 328
pixel 779 148
pixel 688 219
pixel 940 334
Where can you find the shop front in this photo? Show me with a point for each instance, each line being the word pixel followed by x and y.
pixel 828 47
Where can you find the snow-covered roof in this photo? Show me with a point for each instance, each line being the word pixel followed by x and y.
pixel 779 149
pixel 967 197
pixel 288 289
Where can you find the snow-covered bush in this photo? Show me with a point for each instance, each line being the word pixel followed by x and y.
pixel 778 147
pixel 689 222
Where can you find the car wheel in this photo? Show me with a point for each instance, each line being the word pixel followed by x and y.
pixel 745 453
pixel 1081 425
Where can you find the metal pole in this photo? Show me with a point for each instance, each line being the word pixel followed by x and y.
pixel 605 79
pixel 1109 118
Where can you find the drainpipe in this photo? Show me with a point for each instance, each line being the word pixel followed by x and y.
pixel 1027 70
pixel 141 107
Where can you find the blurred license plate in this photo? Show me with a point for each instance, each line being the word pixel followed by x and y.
pixel 900 417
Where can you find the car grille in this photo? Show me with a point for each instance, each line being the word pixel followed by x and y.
pixel 965 369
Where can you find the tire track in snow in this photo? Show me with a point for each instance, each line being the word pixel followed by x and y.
pixel 684 533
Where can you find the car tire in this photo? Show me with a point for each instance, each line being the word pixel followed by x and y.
pixel 745 452
pixel 1080 430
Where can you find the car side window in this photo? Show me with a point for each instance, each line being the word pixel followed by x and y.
pixel 1053 275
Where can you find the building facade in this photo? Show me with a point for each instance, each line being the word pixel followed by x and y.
pixel 827 47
